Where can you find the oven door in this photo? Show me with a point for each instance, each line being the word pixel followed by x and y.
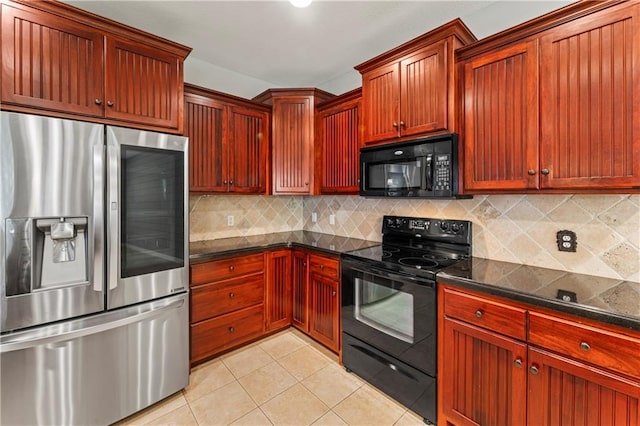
pixel 391 311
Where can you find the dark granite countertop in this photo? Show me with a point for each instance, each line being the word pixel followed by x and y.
pixel 607 300
pixel 331 244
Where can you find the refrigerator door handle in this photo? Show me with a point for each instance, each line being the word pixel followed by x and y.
pixel 113 189
pixel 56 334
pixel 98 220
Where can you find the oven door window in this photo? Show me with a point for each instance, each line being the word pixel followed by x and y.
pixel 403 175
pixel 385 307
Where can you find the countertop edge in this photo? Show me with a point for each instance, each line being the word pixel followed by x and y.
pixel 584 311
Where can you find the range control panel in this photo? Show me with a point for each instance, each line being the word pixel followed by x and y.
pixel 458 231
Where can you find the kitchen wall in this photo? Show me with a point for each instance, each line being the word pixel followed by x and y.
pixel 513 228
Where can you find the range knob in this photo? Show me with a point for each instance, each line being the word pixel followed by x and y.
pixel 444 225
pixel 455 227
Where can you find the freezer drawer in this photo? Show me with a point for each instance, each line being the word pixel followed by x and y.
pixel 96 370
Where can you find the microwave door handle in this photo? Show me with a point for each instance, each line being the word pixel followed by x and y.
pixel 429 172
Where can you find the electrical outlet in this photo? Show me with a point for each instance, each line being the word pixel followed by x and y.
pixel 566 240
pixel 314 217
pixel 332 219
pixel 230 220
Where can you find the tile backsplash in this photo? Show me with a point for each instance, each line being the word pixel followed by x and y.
pixel 512 228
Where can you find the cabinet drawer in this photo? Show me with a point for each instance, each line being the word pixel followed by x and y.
pixel 486 313
pixel 326 266
pixel 596 346
pixel 218 270
pixel 213 299
pixel 215 335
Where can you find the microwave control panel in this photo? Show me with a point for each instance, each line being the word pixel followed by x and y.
pixel 442 172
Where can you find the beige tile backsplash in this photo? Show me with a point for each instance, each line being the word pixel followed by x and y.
pixel 512 228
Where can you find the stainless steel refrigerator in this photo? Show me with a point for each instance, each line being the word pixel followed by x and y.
pixel 94 270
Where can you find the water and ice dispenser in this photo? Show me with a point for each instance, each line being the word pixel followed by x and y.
pixel 45 253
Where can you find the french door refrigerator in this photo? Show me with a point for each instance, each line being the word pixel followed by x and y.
pixel 94 270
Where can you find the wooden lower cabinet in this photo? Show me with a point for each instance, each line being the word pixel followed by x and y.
pixel 278 289
pixel 300 289
pixel 563 391
pixel 227 304
pixel 488 375
pixel 324 301
pixel 485 375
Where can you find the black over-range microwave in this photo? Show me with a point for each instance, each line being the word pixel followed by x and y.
pixel 423 168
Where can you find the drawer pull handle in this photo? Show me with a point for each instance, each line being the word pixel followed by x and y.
pixel 585 346
pixel 231 267
pixel 478 313
pixel 321 266
pixel 518 363
pixel 534 369
pixel 232 330
pixel 232 295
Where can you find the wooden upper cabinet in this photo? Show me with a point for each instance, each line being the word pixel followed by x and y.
pixel 229 142
pixel 590 101
pixel 61 61
pixel 411 90
pixel 51 62
pixel 501 119
pixel 143 84
pixel 293 131
pixel 338 144
pixel 552 105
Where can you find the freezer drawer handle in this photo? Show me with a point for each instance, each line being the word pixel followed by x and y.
pixel 93 329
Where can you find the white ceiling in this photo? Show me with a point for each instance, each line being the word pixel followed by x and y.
pixel 284 46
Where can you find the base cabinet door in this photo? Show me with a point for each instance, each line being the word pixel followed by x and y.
pixel 323 312
pixel 300 290
pixel 566 392
pixel 278 289
pixel 484 377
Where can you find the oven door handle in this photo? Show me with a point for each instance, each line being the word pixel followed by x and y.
pixel 394 275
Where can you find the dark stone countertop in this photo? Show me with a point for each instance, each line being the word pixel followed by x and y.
pixel 606 300
pixel 201 251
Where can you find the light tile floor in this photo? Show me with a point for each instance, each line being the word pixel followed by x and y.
pixel 285 379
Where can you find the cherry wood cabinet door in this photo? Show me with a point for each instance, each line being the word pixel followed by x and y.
pixel 590 114
pixel 339 149
pixel 292 147
pixel 50 62
pixel 324 309
pixel 566 392
pixel 381 103
pixel 278 299
pixel 206 127
pixel 248 150
pixel 143 84
pixel 423 91
pixel 501 119
pixel 483 376
pixel 300 290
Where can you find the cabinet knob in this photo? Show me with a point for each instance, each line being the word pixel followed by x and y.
pixel 395 124
pixel 478 313
pixel 585 346
pixel 109 103
pixel 321 266
pixel 231 267
pixel 98 101
pixel 232 330
pixel 232 295
pixel 224 182
pixel 231 182
pixel 333 293
pixel 306 184
pixel 534 369
pixel 402 124
pixel 518 363
pixel 544 171
pixel 531 172
pixel 304 264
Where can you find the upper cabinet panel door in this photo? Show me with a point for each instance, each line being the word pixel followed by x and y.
pixel 51 63
pixel 292 144
pixel 206 128
pixel 142 84
pixel 381 94
pixel 423 93
pixel 590 113
pixel 249 152
pixel 501 119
